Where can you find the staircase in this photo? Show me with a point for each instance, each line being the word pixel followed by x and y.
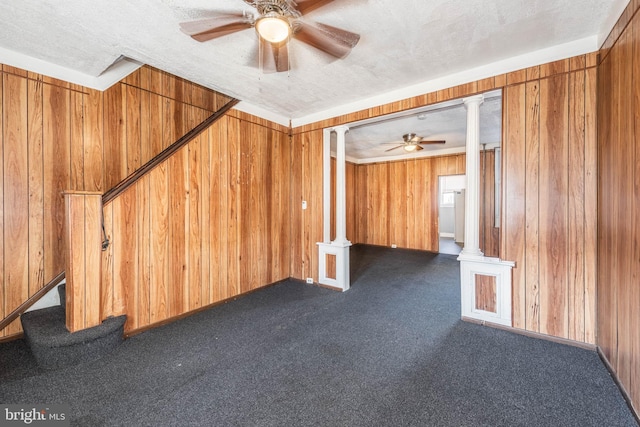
pixel 55 347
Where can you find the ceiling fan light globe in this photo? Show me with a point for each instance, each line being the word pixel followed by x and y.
pixel 410 147
pixel 273 27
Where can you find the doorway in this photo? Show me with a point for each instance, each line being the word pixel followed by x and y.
pixel 451 190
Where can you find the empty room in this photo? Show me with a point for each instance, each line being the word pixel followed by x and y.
pixel 320 212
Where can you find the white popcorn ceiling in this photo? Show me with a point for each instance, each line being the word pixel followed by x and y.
pixel 403 43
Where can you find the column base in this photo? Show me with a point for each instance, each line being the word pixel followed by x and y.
pixel 486 289
pixel 333 264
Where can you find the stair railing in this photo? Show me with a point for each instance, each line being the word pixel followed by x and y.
pixel 120 188
pixel 32 300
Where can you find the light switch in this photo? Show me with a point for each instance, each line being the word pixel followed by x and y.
pixel 304 204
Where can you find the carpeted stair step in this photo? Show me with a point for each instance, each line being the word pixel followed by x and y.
pixel 55 347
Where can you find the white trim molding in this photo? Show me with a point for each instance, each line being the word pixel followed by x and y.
pixel 112 75
pixel 470 268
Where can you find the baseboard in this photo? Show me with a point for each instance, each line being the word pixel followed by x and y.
pixel 531 334
pixel 132 332
pixel 13 337
pixel 586 346
pixel 448 235
pixel 623 390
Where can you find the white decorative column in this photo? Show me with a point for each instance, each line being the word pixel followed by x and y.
pixel 472 192
pixel 485 282
pixel 338 250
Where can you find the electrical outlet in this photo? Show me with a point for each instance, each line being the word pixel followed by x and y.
pixel 310 280
pixel 394 246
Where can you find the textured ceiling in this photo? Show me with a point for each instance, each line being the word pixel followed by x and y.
pixel 406 46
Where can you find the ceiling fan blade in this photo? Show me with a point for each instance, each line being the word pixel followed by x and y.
pixel 334 41
pixel 221 25
pixel 432 142
pixel 393 148
pixel 306 6
pixel 418 148
pixel 274 57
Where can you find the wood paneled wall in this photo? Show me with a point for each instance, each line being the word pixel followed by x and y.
pixel 489 234
pixel 549 197
pixel 58 136
pixel 206 225
pixel 548 183
pixel 397 202
pixel 306 185
pixel 619 201
pixel 403 202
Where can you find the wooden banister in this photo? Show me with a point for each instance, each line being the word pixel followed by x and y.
pixel 166 153
pixel 32 300
pixel 119 189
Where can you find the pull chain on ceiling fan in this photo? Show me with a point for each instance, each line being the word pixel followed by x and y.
pixel 276 22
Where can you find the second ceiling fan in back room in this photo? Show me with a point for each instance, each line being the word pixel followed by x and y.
pixel 276 22
pixel 412 142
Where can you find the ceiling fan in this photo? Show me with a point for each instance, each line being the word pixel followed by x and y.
pixel 276 22
pixel 412 142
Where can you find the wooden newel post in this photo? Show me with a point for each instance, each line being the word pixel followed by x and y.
pixel 83 238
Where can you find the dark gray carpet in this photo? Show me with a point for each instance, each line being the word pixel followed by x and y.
pixel 389 352
pixel 55 347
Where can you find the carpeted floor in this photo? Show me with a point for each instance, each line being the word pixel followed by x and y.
pixel 389 352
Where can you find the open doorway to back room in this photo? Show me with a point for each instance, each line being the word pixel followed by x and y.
pixel 451 213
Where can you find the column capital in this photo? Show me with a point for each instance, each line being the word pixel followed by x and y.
pixel 340 129
pixel 475 99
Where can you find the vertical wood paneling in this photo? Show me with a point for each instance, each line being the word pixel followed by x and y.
pixel 352 196
pixel 590 206
pixel 65 128
pixel 144 252
pixel 56 125
pixel 177 171
pixel 485 289
pixel 159 207
pixel 548 200
pixel 218 210
pixel 82 264
pixel 76 154
pixel 618 153
pixel 532 207
pixel 16 194
pixel 3 293
pixel 106 283
pixel 233 205
pixel 397 202
pixel 93 141
pixel 513 181
pixel 296 211
pixel 115 164
pixel 36 188
pixel 133 129
pixel 194 229
pixel 125 255
pixel 633 388
pixel 554 151
pixel 75 265
pixel 576 207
